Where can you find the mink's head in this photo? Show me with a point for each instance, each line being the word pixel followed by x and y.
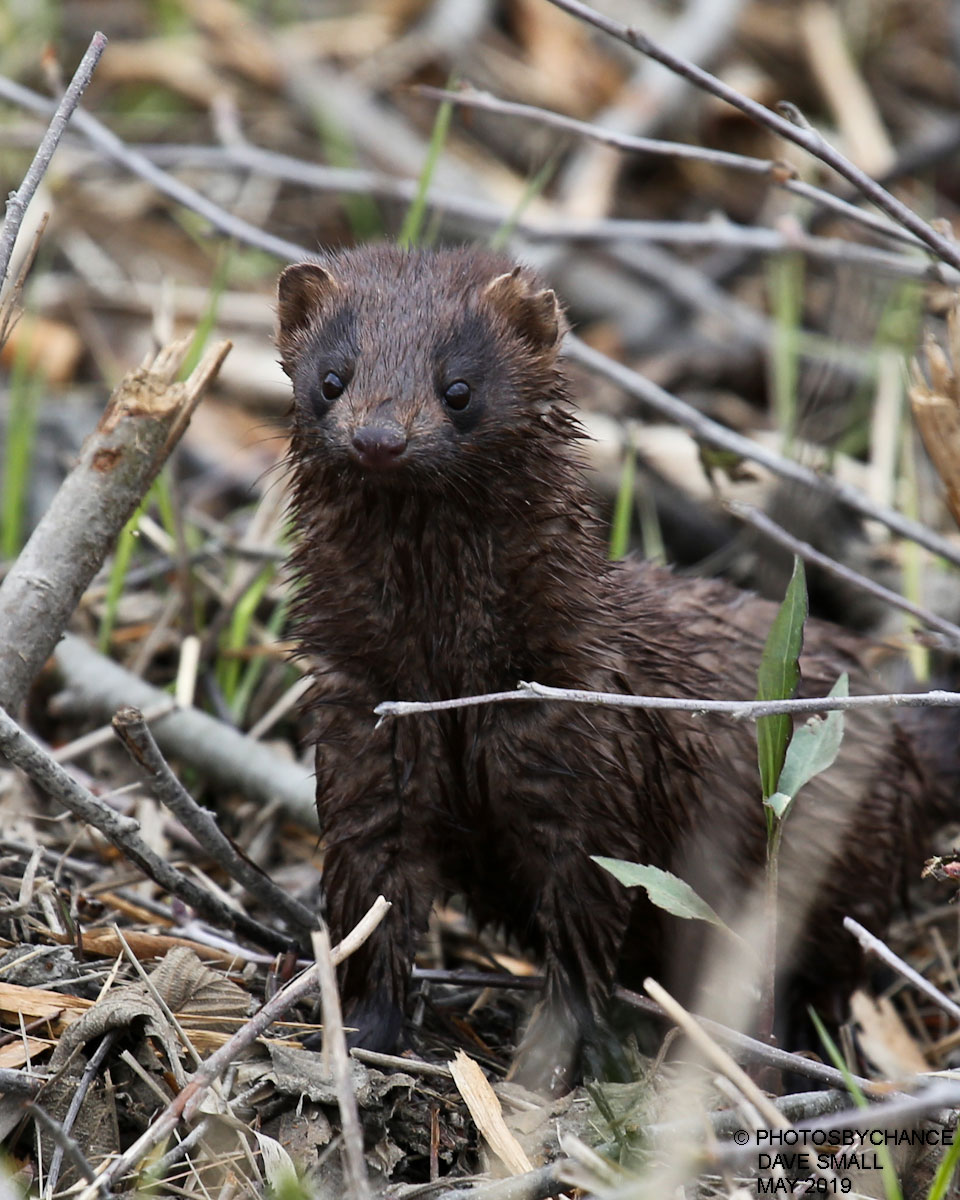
pixel 422 369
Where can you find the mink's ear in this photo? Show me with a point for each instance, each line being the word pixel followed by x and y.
pixel 535 315
pixel 304 290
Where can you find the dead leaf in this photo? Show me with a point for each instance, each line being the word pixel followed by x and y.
pixel 487 1114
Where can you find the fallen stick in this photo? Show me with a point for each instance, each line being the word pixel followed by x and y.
pixel 97 686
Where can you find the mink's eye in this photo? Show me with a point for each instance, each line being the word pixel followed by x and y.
pixel 456 395
pixel 331 386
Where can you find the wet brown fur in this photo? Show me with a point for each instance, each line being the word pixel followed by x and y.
pixel 477 563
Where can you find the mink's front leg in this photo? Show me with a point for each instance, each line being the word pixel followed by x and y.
pixel 376 843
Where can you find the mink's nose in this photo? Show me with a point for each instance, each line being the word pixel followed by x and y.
pixel 379 447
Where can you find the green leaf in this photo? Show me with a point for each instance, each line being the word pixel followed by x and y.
pixel 666 891
pixel 778 677
pixel 779 802
pixel 813 748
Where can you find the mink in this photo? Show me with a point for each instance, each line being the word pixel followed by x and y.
pixel 447 547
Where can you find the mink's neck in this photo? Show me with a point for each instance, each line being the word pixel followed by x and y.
pixel 427 597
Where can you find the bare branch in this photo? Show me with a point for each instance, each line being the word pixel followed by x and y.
pixel 752 1050
pixel 122 831
pixel 17 201
pixel 130 726
pixel 487 215
pixel 807 138
pixel 738 709
pixel 779 174
pixel 715 434
pixel 97 685
pixel 873 945
pixel 143 418
pixel 114 148
pixel 761 522
pixel 714 233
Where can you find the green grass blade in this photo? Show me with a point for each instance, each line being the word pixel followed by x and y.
pixel 25 393
pixel 623 508
pixel 255 667
pixel 237 634
pixel 779 676
pixel 891 1184
pixel 412 227
pixel 207 322
pixel 534 187
pixel 122 557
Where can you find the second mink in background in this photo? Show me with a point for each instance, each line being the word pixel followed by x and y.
pixel 447 547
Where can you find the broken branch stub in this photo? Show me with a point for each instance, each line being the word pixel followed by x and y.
pixel 142 422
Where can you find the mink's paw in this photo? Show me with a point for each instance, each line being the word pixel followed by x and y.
pixel 375 1023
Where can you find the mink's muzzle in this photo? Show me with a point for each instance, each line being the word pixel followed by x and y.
pixel 378 447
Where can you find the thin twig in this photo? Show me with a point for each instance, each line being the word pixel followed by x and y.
pixel 728 234
pixel 17 201
pixel 761 522
pixel 780 174
pixel 130 726
pixel 538 1184
pixel 738 709
pixel 396 1062
pixel 162 1166
pixel 715 1054
pixel 70 751
pixel 487 215
pixel 114 148
pixel 187 1102
pixel 335 1052
pixel 873 945
pixel 52 779
pixel 811 141
pixel 715 434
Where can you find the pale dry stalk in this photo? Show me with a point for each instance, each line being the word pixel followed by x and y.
pixel 936 408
